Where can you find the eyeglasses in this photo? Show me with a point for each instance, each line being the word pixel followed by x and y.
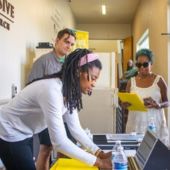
pixel 145 64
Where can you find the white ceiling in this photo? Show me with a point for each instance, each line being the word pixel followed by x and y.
pixel 89 11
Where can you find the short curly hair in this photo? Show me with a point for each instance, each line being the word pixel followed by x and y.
pixel 145 52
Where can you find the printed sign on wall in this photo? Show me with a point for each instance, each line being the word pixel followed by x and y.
pixel 82 38
pixel 6 14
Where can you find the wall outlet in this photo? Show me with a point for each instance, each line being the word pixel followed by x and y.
pixel 13 90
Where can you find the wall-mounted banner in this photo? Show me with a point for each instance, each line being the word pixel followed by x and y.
pixel 7 12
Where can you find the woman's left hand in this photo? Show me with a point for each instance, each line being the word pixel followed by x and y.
pixel 150 103
pixel 103 155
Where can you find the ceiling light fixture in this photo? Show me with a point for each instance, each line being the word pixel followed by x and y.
pixel 103 9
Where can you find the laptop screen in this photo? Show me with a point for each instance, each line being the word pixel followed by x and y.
pixel 145 149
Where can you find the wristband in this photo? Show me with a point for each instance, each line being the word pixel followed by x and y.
pixel 98 152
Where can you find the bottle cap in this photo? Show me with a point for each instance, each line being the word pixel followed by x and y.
pixel 118 142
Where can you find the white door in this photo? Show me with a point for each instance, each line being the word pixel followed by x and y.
pixel 108 76
pixel 98 112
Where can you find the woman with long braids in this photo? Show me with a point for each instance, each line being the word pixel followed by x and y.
pixel 47 103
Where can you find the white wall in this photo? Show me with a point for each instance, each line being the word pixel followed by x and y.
pixel 98 112
pixel 103 45
pixel 34 21
pixel 152 15
pixel 107 78
pixel 106 31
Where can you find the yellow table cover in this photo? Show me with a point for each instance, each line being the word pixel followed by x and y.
pixel 71 164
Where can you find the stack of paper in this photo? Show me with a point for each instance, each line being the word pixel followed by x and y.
pixel 124 137
pixel 132 164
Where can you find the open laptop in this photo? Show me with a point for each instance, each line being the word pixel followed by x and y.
pixel 152 154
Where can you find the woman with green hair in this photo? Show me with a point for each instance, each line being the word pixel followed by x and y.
pixel 152 89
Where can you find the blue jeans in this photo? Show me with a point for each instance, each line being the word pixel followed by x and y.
pixel 17 155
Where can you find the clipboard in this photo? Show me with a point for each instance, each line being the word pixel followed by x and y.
pixel 136 102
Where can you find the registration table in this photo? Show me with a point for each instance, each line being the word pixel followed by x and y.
pixel 106 142
pixel 151 153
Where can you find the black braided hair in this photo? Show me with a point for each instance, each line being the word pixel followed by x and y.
pixel 71 78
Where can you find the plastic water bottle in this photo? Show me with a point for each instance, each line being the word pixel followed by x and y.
pixel 117 145
pixel 120 160
pixel 152 125
pixel 114 150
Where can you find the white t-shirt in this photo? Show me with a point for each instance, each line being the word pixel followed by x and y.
pixel 40 105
